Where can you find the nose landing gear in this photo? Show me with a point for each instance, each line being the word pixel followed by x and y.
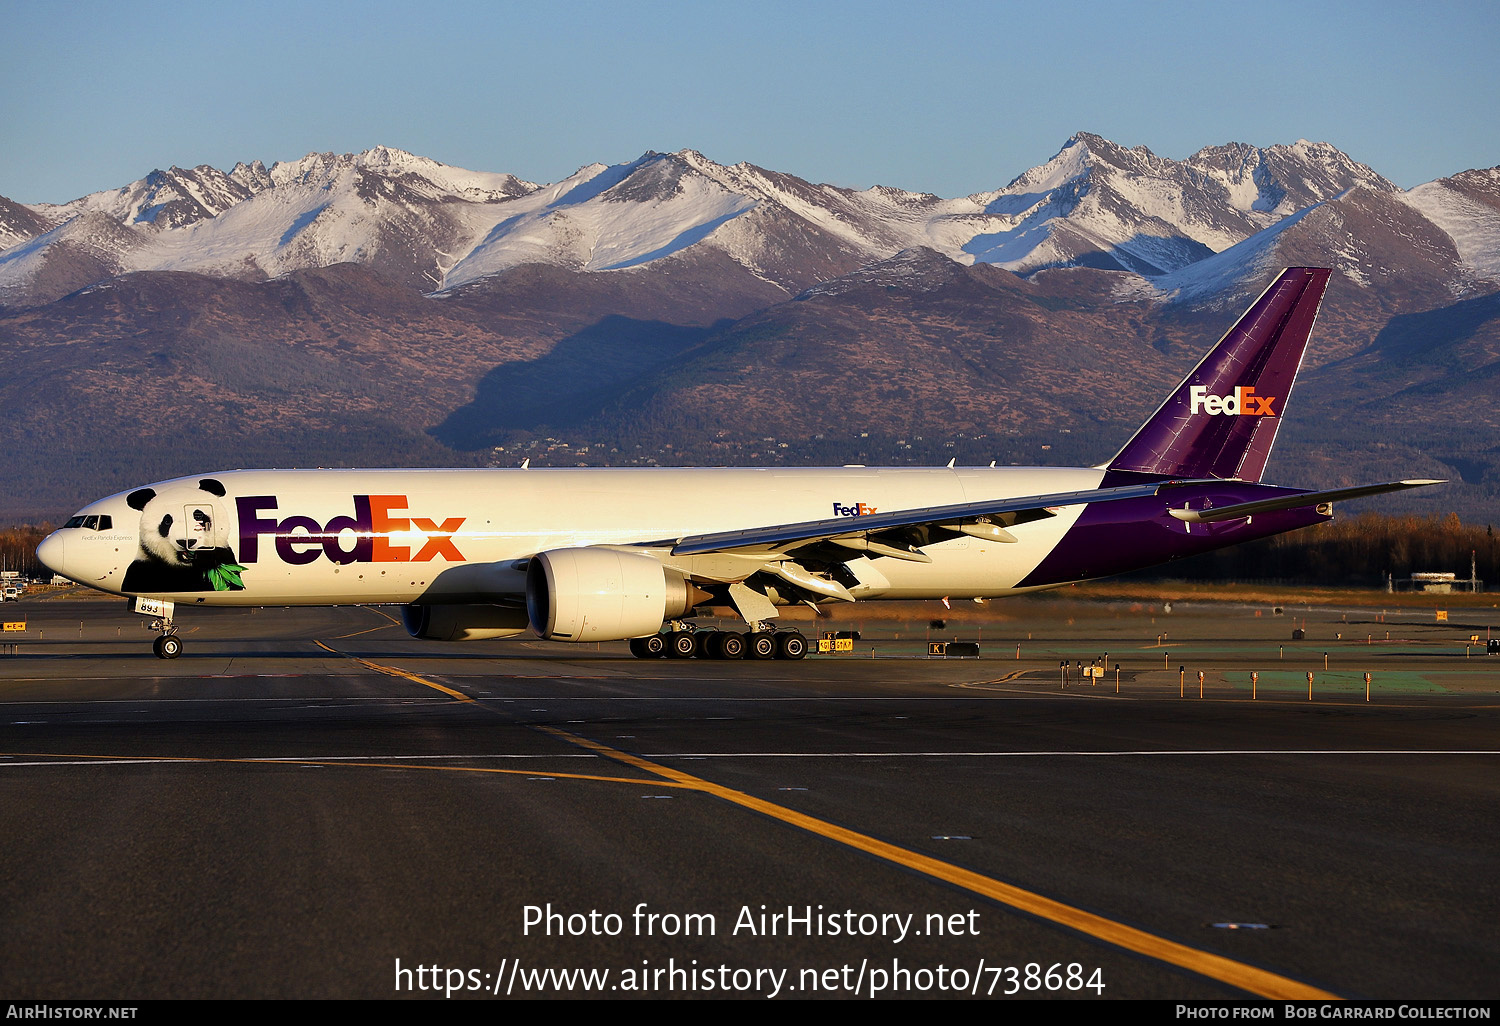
pixel 168 646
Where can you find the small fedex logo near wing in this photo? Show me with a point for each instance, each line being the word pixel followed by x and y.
pixel 1243 403
pixel 364 537
pixel 857 509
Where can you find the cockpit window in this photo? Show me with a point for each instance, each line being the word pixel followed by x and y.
pixel 106 522
pixel 93 522
pixel 74 522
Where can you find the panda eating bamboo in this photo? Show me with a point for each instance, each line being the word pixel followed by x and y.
pixel 184 541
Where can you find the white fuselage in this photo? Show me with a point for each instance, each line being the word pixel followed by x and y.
pixel 329 537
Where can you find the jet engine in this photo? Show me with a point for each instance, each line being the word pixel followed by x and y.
pixel 462 622
pixel 594 594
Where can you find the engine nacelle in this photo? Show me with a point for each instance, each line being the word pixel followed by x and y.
pixel 462 622
pixel 591 594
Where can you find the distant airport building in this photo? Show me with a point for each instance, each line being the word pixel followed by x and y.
pixel 1438 582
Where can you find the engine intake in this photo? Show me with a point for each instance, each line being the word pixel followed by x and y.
pixel 596 594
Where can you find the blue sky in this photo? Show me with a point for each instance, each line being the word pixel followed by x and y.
pixel 950 98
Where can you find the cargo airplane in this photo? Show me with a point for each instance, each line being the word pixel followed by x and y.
pixel 579 555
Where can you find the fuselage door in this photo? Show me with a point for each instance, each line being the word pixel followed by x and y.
pixel 198 527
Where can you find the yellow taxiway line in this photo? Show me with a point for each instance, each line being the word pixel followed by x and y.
pixel 1226 970
pixel 396 672
pixel 1249 978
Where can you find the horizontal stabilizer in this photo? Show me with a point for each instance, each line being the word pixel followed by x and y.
pixel 1246 509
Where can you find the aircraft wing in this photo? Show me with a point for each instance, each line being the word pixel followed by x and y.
pixel 984 518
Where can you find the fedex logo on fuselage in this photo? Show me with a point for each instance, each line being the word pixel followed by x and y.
pixel 858 509
pixel 364 537
pixel 1243 403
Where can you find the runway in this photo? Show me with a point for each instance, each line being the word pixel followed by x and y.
pixel 309 804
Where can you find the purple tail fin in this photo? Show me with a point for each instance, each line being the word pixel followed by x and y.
pixel 1220 422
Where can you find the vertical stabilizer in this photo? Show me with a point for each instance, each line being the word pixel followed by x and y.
pixel 1221 421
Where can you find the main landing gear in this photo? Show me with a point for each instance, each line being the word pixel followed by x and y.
pixel 710 644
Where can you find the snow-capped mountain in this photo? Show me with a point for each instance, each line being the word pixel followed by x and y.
pixel 1467 208
pixel 1094 203
pixel 1423 248
pixel 1101 205
pixel 401 214
pixel 19 223
pixel 781 228
pixel 434 227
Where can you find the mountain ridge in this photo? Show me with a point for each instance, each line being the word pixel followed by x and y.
pixel 671 310
pixel 434 227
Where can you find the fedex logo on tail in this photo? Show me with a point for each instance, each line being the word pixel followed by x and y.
pixel 1243 403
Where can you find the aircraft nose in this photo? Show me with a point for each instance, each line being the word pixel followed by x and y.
pixel 50 552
